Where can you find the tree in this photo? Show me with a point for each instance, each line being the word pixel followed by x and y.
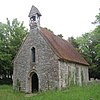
pixel 89 45
pixel 11 37
pixel 96 39
pixel 97 21
pixel 60 35
pixel 72 40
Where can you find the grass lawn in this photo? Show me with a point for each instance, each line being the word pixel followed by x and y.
pixel 73 93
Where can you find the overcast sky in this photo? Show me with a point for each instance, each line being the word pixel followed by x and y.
pixel 66 17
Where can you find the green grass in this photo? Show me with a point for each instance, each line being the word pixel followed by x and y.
pixel 72 93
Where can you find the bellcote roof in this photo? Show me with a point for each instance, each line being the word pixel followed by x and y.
pixel 34 11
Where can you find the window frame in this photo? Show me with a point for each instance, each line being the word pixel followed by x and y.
pixel 33 55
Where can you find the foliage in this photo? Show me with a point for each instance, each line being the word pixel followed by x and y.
pixel 97 21
pixel 71 93
pixel 18 85
pixel 73 42
pixel 60 35
pixel 89 46
pixel 49 29
pixel 7 81
pixel 11 36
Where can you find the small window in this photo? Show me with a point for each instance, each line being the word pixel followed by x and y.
pixel 33 18
pixel 33 54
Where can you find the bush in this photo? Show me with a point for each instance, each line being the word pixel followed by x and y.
pixel 7 81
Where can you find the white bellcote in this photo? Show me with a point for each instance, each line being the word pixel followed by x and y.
pixel 34 18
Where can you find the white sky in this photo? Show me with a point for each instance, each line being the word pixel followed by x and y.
pixel 66 17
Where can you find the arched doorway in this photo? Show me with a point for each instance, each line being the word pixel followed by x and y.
pixel 34 82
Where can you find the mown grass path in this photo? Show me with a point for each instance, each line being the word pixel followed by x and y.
pixel 89 92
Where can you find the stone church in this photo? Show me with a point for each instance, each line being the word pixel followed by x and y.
pixel 46 61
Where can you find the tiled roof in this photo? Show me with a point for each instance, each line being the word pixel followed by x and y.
pixel 63 49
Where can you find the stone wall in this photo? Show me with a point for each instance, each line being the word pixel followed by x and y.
pixel 46 65
pixel 71 73
pixel 51 73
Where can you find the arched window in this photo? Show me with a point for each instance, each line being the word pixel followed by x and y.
pixel 33 54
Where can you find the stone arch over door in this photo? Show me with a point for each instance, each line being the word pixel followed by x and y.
pixel 34 82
